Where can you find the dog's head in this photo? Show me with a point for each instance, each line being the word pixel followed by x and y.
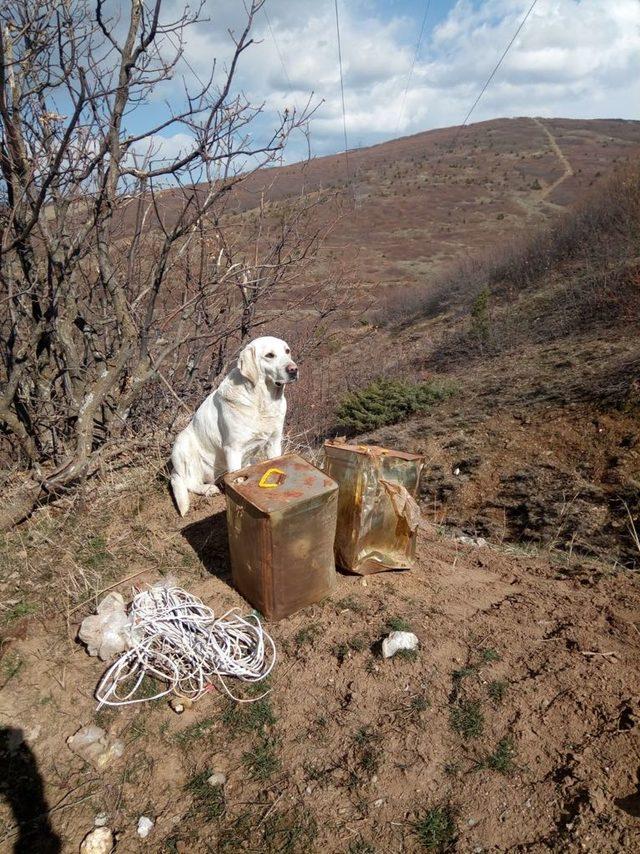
pixel 269 359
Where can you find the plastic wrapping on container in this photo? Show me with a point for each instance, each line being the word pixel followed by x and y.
pixel 378 516
pixel 281 520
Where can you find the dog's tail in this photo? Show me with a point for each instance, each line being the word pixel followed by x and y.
pixel 180 492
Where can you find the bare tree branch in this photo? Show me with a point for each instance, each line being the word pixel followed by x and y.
pixel 128 277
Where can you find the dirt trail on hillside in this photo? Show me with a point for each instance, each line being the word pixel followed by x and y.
pixel 519 714
pixel 568 168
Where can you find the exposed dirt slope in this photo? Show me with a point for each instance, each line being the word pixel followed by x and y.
pixel 536 665
pixel 541 447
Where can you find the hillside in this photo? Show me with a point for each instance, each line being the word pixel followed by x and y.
pixel 409 209
pixel 421 204
pixel 538 444
pixel 506 272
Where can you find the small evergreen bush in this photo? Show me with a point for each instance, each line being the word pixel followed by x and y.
pixel 387 401
pixel 480 319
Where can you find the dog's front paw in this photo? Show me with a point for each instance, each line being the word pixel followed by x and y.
pixel 211 490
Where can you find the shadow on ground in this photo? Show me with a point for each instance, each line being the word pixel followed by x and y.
pixel 208 538
pixel 22 787
pixel 631 804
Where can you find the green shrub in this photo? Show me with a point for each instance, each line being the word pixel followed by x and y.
pixel 387 402
pixel 480 320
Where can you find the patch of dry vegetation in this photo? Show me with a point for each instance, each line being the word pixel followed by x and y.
pixel 581 272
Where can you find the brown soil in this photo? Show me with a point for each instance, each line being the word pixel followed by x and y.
pixel 363 748
pixel 541 447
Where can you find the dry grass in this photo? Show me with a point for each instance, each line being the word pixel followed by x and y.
pixel 632 528
pixel 305 445
pixel 52 563
pixel 580 272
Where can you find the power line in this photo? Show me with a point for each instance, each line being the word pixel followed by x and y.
pixel 344 113
pixel 413 64
pixel 493 73
pixel 277 47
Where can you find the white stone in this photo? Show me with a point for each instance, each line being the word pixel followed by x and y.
pixel 180 704
pixel 101 819
pixel 94 746
pixel 217 779
pixel 145 826
pixel 479 542
pixel 97 841
pixel 398 640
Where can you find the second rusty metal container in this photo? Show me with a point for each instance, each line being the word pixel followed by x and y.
pixel 377 513
pixel 281 518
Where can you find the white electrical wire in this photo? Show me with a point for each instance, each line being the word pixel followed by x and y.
pixel 177 639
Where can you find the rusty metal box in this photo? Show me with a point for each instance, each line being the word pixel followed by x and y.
pixel 378 516
pixel 281 518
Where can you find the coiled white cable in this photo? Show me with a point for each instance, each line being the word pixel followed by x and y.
pixel 177 639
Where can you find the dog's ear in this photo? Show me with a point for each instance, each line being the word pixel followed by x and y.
pixel 248 364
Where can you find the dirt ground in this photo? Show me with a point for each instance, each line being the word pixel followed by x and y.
pixel 538 447
pixel 514 728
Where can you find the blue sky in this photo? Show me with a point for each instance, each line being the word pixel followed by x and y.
pixel 573 58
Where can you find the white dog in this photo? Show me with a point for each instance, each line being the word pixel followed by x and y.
pixel 244 416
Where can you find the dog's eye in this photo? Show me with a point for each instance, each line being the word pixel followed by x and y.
pixel 270 355
pixel 287 351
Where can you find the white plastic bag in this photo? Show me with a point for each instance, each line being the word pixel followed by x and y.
pixel 106 633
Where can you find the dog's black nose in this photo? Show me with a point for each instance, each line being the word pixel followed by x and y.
pixel 292 370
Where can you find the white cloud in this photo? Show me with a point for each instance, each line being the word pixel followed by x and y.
pixel 158 147
pixel 573 58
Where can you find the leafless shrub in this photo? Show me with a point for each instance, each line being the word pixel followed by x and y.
pixel 600 231
pixel 593 246
pixel 401 305
pixel 129 278
pixel 580 271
